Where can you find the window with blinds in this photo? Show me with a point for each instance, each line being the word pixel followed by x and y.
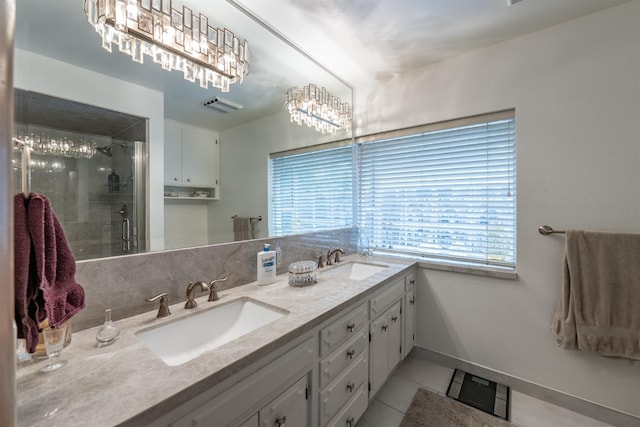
pixel 442 192
pixel 311 191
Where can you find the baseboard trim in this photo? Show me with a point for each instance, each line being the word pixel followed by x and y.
pixel 573 403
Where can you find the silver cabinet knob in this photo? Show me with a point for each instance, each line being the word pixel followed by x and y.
pixel 351 421
pixel 351 327
pixel 351 353
pixel 281 421
pixel 385 327
pixel 394 318
pixel 351 387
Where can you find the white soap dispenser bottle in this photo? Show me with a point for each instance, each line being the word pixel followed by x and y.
pixel 266 266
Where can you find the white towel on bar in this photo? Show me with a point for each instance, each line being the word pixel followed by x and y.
pixel 242 228
pixel 599 308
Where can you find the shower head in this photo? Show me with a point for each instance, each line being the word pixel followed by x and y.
pixel 106 150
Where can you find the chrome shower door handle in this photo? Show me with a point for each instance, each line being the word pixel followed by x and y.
pixel 126 236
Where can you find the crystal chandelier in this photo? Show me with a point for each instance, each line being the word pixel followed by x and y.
pixel 317 108
pixel 177 40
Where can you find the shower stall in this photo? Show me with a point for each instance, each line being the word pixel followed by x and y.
pixel 91 164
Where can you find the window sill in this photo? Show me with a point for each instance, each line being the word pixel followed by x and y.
pixel 456 266
pixel 498 273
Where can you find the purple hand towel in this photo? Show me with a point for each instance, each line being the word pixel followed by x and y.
pixel 62 296
pixel 27 292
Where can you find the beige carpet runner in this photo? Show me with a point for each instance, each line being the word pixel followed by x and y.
pixel 430 409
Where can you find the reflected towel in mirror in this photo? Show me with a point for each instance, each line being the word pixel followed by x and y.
pixel 242 228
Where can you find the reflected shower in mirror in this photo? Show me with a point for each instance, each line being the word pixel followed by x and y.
pixel 91 170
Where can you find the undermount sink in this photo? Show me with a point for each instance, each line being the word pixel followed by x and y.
pixel 354 270
pixel 185 339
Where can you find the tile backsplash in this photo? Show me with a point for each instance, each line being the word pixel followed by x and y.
pixel 122 283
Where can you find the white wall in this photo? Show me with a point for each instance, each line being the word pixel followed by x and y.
pixel 244 154
pixel 45 75
pixel 576 91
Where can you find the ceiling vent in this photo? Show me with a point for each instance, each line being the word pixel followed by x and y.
pixel 222 105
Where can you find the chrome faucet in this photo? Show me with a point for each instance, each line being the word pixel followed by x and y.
pixel 337 251
pixel 191 292
pixel 213 289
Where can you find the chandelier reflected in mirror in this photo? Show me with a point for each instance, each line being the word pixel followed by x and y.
pixel 317 108
pixel 176 39
pixel 55 142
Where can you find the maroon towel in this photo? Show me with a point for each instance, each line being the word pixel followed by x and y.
pixel 27 292
pixel 62 296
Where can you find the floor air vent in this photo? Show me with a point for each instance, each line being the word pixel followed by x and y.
pixel 222 105
pixel 480 393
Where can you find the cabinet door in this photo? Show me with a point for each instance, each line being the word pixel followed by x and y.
pixel 172 154
pixel 251 422
pixel 290 409
pixel 378 354
pixel 394 336
pixel 199 158
pixel 409 322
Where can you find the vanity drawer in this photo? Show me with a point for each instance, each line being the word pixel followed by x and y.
pixel 351 413
pixel 343 328
pixel 336 395
pixel 344 356
pixel 387 298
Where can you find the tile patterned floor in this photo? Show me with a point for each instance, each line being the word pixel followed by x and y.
pixel 389 406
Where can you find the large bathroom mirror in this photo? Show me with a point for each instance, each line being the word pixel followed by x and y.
pixel 59 61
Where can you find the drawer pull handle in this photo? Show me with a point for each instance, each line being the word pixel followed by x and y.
pixel 281 421
pixel 412 281
pixel 412 300
pixel 394 318
pixel 350 387
pixel 385 327
pixel 351 421
pixel 351 327
pixel 351 353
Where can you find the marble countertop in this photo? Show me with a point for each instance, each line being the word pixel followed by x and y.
pixel 125 383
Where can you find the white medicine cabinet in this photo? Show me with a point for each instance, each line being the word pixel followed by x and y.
pixel 191 162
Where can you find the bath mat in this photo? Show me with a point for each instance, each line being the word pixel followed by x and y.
pixel 481 393
pixel 430 409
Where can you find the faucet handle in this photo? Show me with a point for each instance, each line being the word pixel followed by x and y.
pixel 213 289
pixel 320 264
pixel 163 310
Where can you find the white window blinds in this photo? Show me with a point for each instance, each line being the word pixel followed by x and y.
pixel 445 194
pixel 311 191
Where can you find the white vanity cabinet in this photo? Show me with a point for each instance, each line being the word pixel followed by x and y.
pixel 385 346
pixel 276 393
pixel 392 329
pixel 325 378
pixel 409 314
pixel 190 156
pixel 344 367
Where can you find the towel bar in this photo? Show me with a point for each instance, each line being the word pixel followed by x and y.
pixel 258 218
pixel 546 230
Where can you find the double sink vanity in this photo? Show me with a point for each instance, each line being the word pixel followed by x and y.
pixel 272 355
